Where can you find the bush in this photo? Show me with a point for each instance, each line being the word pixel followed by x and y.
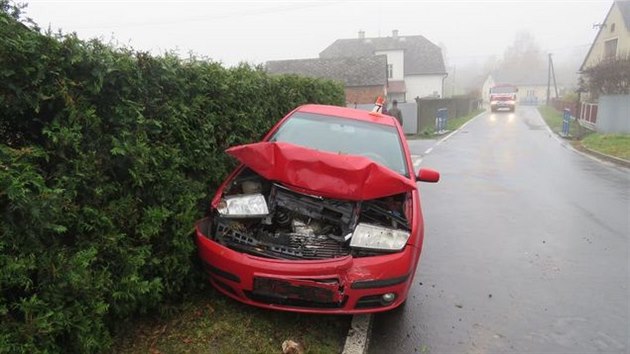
pixel 109 156
pixel 609 77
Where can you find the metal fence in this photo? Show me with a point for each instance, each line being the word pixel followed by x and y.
pixel 612 115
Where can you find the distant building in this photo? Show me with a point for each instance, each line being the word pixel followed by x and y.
pixel 364 78
pixel 613 38
pixel 415 66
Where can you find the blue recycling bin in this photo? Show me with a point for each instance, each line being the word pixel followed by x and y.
pixel 566 119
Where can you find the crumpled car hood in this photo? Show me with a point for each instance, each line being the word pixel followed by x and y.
pixel 322 173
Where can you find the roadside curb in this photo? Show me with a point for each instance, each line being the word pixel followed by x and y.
pixel 444 135
pixel 358 337
pixel 616 160
pixel 458 129
pixel 586 152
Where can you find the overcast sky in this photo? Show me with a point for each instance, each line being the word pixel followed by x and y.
pixel 252 31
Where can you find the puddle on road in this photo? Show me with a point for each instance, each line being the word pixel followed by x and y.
pixel 533 126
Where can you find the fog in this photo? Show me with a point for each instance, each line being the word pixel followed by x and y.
pixel 474 35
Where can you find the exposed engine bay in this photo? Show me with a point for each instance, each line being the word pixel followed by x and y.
pixel 267 219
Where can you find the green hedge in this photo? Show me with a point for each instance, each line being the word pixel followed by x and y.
pixel 107 157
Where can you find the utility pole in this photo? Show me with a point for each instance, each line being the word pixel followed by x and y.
pixel 548 79
pixel 553 75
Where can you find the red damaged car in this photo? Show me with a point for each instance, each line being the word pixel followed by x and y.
pixel 321 216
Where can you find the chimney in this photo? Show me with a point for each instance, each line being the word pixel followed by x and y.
pixel 361 34
pixel 395 34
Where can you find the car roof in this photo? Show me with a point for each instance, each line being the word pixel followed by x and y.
pixel 351 113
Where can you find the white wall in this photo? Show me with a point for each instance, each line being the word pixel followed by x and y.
pixel 397 59
pixel 423 86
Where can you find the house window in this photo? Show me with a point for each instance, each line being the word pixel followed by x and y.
pixel 612 28
pixel 390 71
pixel 610 49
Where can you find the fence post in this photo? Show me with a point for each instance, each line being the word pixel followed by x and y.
pixel 578 114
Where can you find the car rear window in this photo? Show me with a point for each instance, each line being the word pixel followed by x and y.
pixel 379 143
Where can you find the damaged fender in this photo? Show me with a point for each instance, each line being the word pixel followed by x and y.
pixel 325 174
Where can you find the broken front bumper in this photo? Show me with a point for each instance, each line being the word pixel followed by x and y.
pixel 342 285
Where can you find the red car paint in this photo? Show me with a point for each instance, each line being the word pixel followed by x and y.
pixel 323 173
pixel 342 285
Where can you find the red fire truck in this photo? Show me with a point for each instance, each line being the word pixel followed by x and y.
pixel 503 96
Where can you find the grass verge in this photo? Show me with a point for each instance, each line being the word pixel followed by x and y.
pixel 609 144
pixel 554 120
pixel 214 323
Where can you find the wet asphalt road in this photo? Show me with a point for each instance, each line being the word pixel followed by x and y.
pixel 526 248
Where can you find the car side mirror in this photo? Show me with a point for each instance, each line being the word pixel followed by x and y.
pixel 428 175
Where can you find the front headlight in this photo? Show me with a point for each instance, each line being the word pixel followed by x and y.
pixel 243 206
pixel 372 237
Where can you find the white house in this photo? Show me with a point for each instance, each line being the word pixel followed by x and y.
pixel 415 66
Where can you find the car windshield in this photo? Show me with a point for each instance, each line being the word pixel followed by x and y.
pixel 379 143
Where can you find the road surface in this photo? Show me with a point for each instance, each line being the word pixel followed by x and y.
pixel 526 248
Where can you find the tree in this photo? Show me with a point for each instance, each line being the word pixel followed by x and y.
pixel 609 77
pixel 524 53
pixel 523 60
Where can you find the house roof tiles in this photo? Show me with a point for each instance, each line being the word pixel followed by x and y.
pixel 396 87
pixel 421 55
pixel 352 71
